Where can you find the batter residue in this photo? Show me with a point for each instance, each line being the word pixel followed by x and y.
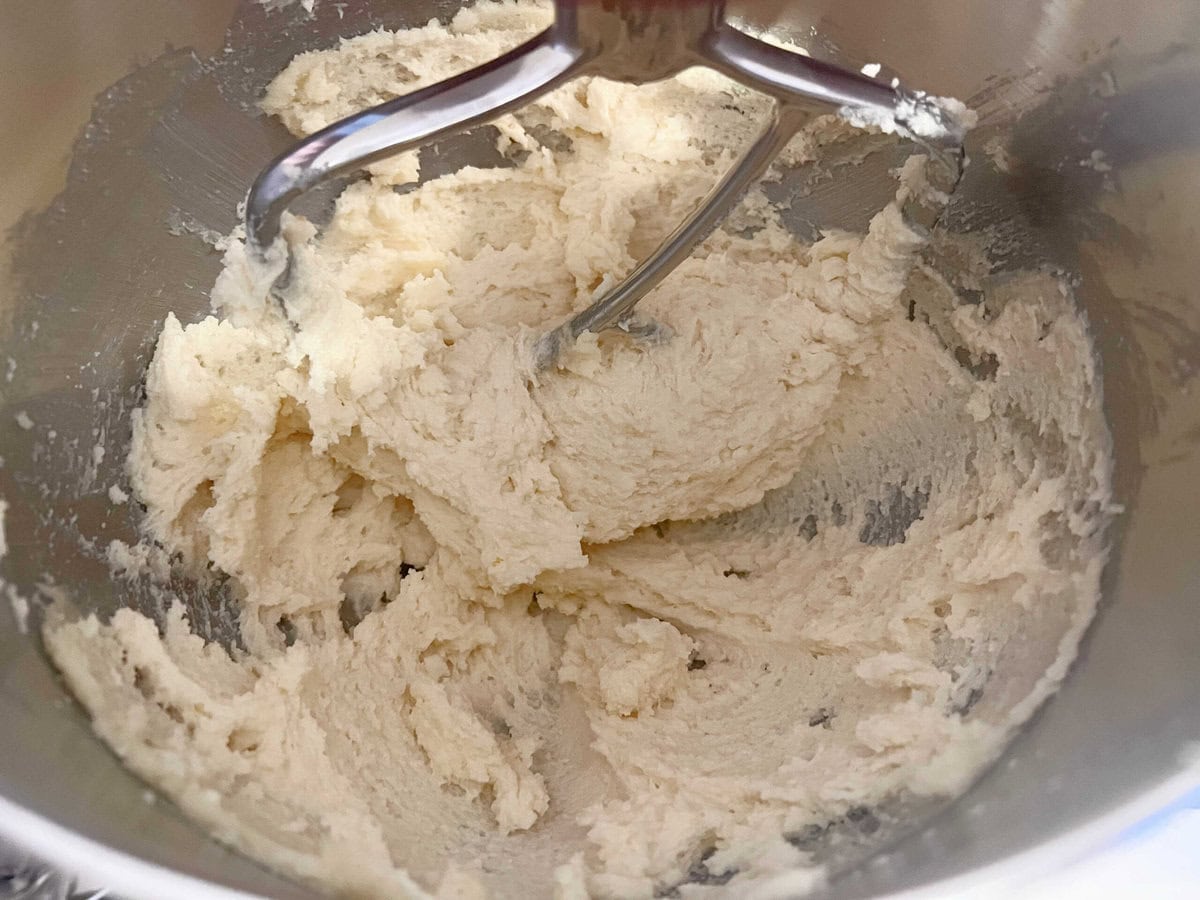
pixel 631 623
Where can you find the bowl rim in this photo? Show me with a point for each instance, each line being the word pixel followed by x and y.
pixel 102 866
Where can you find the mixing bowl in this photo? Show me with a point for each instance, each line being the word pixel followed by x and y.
pixel 1086 161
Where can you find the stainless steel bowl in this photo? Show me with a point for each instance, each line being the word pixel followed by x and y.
pixel 1087 160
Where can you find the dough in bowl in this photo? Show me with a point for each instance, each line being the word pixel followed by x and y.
pixel 639 623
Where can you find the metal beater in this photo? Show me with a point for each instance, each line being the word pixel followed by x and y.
pixel 633 41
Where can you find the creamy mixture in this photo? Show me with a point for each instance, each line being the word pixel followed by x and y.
pixel 633 623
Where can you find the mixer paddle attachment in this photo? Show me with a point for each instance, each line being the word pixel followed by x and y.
pixel 633 41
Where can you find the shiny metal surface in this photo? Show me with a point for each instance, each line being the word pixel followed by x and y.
pixel 406 123
pixel 1087 159
pixel 626 40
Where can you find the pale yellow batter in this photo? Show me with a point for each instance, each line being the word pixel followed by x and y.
pixel 571 632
